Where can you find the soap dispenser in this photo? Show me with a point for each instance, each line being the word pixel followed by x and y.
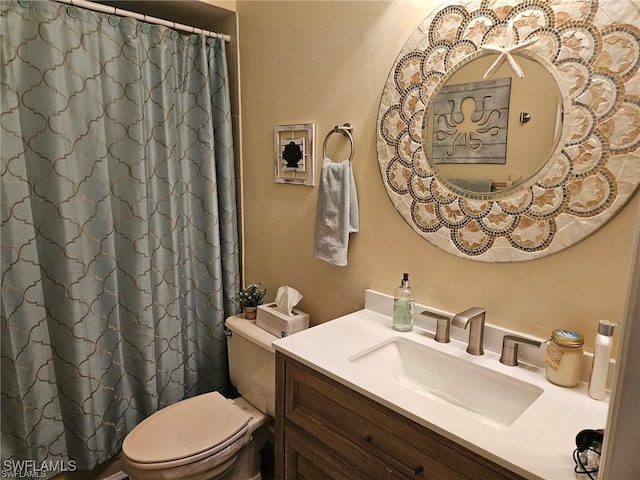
pixel 403 306
pixel 601 357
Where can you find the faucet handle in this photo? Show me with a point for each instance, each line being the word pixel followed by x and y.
pixel 510 348
pixel 443 325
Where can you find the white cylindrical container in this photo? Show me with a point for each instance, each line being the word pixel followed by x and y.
pixel 564 358
pixel 601 357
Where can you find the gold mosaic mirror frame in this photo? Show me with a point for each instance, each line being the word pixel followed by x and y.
pixel 593 49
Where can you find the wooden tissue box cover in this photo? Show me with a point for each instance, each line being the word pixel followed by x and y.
pixel 277 323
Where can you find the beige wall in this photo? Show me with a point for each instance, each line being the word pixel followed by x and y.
pixel 325 62
pixel 226 4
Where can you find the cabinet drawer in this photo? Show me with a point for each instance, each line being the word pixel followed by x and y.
pixel 381 443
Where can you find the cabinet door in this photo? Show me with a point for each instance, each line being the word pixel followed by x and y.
pixel 306 459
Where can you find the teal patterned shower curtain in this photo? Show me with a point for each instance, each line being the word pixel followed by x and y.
pixel 119 236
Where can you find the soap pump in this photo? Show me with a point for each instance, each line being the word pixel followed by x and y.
pixel 601 357
pixel 403 306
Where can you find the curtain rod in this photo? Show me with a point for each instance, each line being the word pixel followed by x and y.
pixel 97 7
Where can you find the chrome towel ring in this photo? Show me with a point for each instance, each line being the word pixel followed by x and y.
pixel 346 130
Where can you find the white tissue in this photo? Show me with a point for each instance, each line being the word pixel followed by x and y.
pixel 286 299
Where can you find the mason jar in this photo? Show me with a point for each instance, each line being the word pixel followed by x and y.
pixel 564 358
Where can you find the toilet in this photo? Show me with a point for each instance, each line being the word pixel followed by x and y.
pixel 208 436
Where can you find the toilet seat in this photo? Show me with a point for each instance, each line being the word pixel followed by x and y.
pixel 186 432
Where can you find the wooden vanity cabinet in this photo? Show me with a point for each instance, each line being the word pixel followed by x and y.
pixel 325 430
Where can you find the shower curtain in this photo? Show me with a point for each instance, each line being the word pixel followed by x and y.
pixel 119 236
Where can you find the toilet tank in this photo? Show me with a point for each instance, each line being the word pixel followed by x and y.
pixel 252 363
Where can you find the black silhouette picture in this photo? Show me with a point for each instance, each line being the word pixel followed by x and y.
pixel 293 155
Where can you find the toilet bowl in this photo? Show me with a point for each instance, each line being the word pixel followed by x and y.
pixel 209 437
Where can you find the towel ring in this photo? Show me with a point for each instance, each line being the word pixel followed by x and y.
pixel 346 130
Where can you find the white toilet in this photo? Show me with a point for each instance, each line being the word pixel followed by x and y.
pixel 209 437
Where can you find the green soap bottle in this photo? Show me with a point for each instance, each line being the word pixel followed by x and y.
pixel 403 305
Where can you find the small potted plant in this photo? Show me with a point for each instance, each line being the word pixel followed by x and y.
pixel 249 298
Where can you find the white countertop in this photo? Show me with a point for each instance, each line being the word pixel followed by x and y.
pixel 538 444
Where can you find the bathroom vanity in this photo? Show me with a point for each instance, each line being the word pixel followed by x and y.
pixel 357 400
pixel 331 431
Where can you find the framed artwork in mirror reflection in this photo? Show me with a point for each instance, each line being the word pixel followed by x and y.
pixel 470 123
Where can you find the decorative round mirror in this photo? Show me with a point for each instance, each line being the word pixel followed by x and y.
pixel 510 131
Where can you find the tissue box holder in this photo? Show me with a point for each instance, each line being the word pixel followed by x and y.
pixel 279 324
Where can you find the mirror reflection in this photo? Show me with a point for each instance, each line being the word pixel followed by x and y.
pixel 489 135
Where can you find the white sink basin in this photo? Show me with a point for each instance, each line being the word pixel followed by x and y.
pixel 490 397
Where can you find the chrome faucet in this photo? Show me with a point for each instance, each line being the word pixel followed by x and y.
pixel 510 348
pixel 474 316
pixel 443 325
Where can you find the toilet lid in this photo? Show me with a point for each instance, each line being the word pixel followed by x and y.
pixel 204 423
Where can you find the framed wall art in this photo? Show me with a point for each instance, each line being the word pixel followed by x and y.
pixel 294 153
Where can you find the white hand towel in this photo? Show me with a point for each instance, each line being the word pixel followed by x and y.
pixel 336 212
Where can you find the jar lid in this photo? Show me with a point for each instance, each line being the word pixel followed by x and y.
pixel 605 327
pixel 567 338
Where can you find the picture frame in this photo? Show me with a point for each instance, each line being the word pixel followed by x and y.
pixel 294 154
